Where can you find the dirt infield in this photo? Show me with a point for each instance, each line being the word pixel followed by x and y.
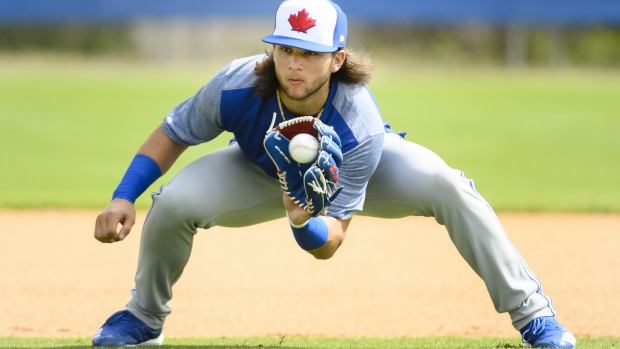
pixel 391 278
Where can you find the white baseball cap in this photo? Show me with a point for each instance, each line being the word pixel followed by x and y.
pixel 313 25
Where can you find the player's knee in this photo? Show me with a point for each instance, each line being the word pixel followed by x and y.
pixel 174 204
pixel 449 186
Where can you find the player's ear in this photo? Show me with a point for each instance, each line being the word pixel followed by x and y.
pixel 338 61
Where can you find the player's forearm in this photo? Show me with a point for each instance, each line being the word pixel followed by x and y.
pixel 335 238
pixel 161 149
pixel 154 158
pixel 319 236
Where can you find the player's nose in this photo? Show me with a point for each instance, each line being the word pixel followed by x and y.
pixel 295 62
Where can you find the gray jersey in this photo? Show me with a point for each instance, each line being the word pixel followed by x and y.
pixel 228 102
pixel 234 187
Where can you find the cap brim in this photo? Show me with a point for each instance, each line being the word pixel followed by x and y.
pixel 301 44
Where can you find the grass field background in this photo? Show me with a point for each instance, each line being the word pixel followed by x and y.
pixel 533 140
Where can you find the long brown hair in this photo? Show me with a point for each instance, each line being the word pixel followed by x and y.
pixel 357 69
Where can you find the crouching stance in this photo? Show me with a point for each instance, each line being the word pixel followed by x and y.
pixel 308 82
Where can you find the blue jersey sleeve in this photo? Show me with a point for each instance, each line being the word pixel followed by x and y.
pixel 199 118
pixel 358 122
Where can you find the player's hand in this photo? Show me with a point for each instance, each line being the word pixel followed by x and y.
pixel 321 179
pixel 296 214
pixel 119 211
pixel 290 172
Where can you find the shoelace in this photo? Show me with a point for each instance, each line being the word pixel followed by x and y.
pixel 140 333
pixel 538 325
pixel 120 317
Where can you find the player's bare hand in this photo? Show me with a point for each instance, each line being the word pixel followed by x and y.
pixel 296 214
pixel 119 211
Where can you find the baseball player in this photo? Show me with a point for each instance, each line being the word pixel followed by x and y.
pixel 308 82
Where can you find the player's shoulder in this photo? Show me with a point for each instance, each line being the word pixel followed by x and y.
pixel 239 73
pixel 244 65
pixel 359 109
pixel 355 99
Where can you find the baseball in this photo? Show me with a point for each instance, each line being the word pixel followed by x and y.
pixel 304 148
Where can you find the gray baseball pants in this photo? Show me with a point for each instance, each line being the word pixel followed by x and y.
pixel 410 180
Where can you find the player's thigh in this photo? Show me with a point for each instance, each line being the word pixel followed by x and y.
pixel 409 180
pixel 223 188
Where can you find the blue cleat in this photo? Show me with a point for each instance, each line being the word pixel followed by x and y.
pixel 546 332
pixel 124 329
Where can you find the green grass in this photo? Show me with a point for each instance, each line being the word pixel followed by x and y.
pixel 302 342
pixel 69 132
pixel 531 140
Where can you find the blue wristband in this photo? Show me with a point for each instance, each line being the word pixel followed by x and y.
pixel 142 172
pixel 312 234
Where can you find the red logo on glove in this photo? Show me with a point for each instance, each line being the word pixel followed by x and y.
pixel 334 171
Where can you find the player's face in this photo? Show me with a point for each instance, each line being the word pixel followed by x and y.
pixel 304 74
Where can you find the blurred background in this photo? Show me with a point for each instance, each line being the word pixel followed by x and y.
pixel 521 95
pixel 505 33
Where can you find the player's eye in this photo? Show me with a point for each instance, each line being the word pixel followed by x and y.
pixel 310 53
